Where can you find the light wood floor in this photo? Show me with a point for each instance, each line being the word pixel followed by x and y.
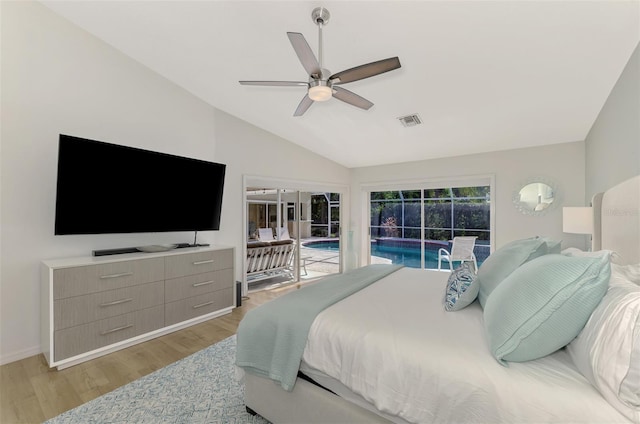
pixel 30 392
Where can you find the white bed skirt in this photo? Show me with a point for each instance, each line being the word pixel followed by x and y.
pixel 307 403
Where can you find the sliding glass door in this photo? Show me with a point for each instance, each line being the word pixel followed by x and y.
pixel 292 235
pixel 325 210
pixel 261 214
pixel 410 226
pixel 395 227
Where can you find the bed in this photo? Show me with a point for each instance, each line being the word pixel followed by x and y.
pixel 390 352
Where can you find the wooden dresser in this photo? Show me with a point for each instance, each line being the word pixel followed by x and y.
pixel 92 306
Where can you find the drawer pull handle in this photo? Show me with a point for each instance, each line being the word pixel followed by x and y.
pixel 117 302
pixel 204 283
pixel 203 304
pixel 209 261
pixel 124 327
pixel 122 274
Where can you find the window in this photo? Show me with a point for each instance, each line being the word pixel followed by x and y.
pixel 409 226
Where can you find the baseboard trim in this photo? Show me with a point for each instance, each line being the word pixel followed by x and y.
pixel 19 355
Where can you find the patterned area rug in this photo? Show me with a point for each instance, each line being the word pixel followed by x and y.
pixel 201 388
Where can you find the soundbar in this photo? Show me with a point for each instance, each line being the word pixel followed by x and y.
pixel 118 251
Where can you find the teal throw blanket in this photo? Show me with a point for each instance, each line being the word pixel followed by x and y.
pixel 271 338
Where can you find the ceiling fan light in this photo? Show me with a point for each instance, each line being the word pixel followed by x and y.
pixel 320 93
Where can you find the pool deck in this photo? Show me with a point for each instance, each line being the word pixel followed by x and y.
pixel 326 261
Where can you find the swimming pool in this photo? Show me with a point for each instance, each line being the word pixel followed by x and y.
pixel 409 256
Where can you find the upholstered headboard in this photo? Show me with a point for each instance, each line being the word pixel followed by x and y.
pixel 617 220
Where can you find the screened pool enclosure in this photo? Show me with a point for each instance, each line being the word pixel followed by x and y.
pixel 409 226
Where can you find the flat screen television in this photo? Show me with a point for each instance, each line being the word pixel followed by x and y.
pixel 107 188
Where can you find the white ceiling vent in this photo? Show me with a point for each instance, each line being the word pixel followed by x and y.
pixel 410 120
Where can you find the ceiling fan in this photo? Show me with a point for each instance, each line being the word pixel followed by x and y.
pixel 323 85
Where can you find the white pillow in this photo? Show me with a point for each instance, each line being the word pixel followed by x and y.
pixel 607 351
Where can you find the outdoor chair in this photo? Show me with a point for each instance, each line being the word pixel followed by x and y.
pixel 258 257
pixel 265 234
pixel 461 251
pixel 284 233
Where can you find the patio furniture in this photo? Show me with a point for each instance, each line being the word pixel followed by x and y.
pixel 284 233
pixel 269 259
pixel 265 234
pixel 258 257
pixel 461 251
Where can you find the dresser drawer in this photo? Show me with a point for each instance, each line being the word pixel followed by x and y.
pixel 194 285
pixel 91 306
pixel 79 310
pixel 76 281
pixel 198 263
pixel 192 307
pixel 83 338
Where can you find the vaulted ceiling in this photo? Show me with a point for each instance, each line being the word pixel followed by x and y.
pixel 482 75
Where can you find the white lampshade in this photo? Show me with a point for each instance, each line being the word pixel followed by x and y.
pixel 577 220
pixel 320 93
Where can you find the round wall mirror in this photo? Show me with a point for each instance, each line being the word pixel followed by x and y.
pixel 535 197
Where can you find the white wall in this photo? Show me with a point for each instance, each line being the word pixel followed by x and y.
pixel 561 163
pixel 56 78
pixel 613 144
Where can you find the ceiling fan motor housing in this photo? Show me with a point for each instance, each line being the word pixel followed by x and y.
pixel 322 76
pixel 320 89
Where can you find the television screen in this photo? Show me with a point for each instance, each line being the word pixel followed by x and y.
pixel 107 188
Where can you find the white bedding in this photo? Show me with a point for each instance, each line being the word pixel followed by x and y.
pixel 394 345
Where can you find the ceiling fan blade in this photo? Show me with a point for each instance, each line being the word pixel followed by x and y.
pixel 304 52
pixel 275 83
pixel 365 71
pixel 303 106
pixel 351 98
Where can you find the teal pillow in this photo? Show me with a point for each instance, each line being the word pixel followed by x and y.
pixel 505 260
pixel 462 288
pixel 553 246
pixel 543 305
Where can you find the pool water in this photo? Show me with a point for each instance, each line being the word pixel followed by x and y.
pixel 410 257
